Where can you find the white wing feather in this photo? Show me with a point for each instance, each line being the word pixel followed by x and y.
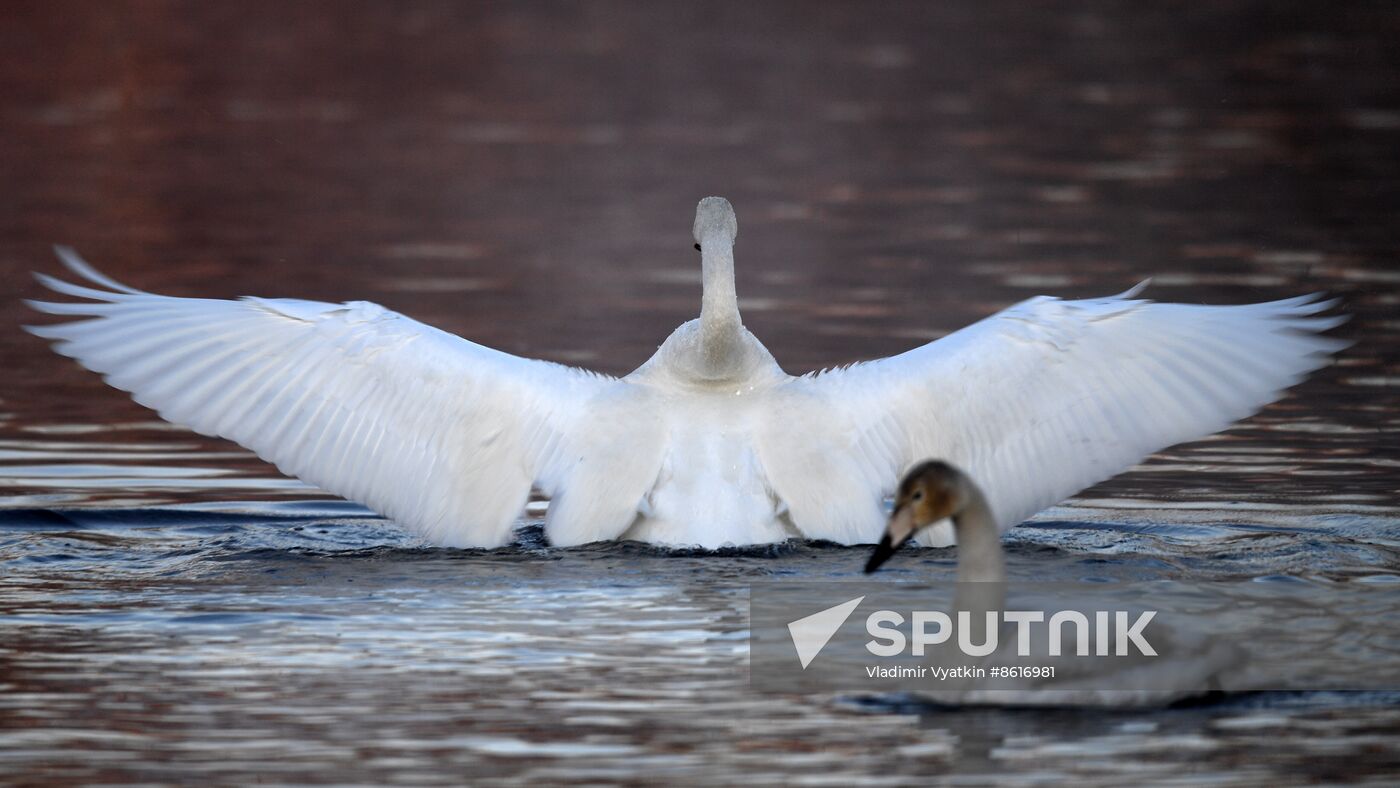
pixel 442 435
pixel 1036 402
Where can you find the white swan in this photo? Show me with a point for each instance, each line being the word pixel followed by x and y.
pixel 1185 663
pixel 707 443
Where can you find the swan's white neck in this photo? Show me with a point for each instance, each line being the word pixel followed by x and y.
pixel 714 352
pixel 720 325
pixel 721 330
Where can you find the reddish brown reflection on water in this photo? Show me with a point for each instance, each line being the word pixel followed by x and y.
pixel 525 177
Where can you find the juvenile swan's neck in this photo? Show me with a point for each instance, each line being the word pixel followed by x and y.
pixel 720 326
pixel 980 558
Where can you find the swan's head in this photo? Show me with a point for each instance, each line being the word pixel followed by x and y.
pixel 715 222
pixel 931 491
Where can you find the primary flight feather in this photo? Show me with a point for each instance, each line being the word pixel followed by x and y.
pixel 709 442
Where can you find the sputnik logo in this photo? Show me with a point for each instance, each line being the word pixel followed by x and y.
pixel 811 634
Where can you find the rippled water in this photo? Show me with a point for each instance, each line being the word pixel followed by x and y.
pixel 171 609
pixel 291 641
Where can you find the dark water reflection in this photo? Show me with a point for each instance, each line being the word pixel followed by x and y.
pixel 525 176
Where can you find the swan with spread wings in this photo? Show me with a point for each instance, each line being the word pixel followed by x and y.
pixel 709 442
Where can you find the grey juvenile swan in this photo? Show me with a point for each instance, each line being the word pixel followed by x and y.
pixel 1186 663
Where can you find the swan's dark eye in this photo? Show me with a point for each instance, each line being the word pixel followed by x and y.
pixel 697 247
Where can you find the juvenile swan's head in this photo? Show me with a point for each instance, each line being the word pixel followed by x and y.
pixel 930 492
pixel 714 220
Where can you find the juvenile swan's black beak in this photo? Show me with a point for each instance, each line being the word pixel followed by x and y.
pixel 902 525
pixel 882 553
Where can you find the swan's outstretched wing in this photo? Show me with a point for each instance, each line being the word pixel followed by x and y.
pixel 1036 402
pixel 440 434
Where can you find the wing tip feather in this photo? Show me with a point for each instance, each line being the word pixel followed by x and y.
pixel 75 263
pixel 1135 290
pixel 45 332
